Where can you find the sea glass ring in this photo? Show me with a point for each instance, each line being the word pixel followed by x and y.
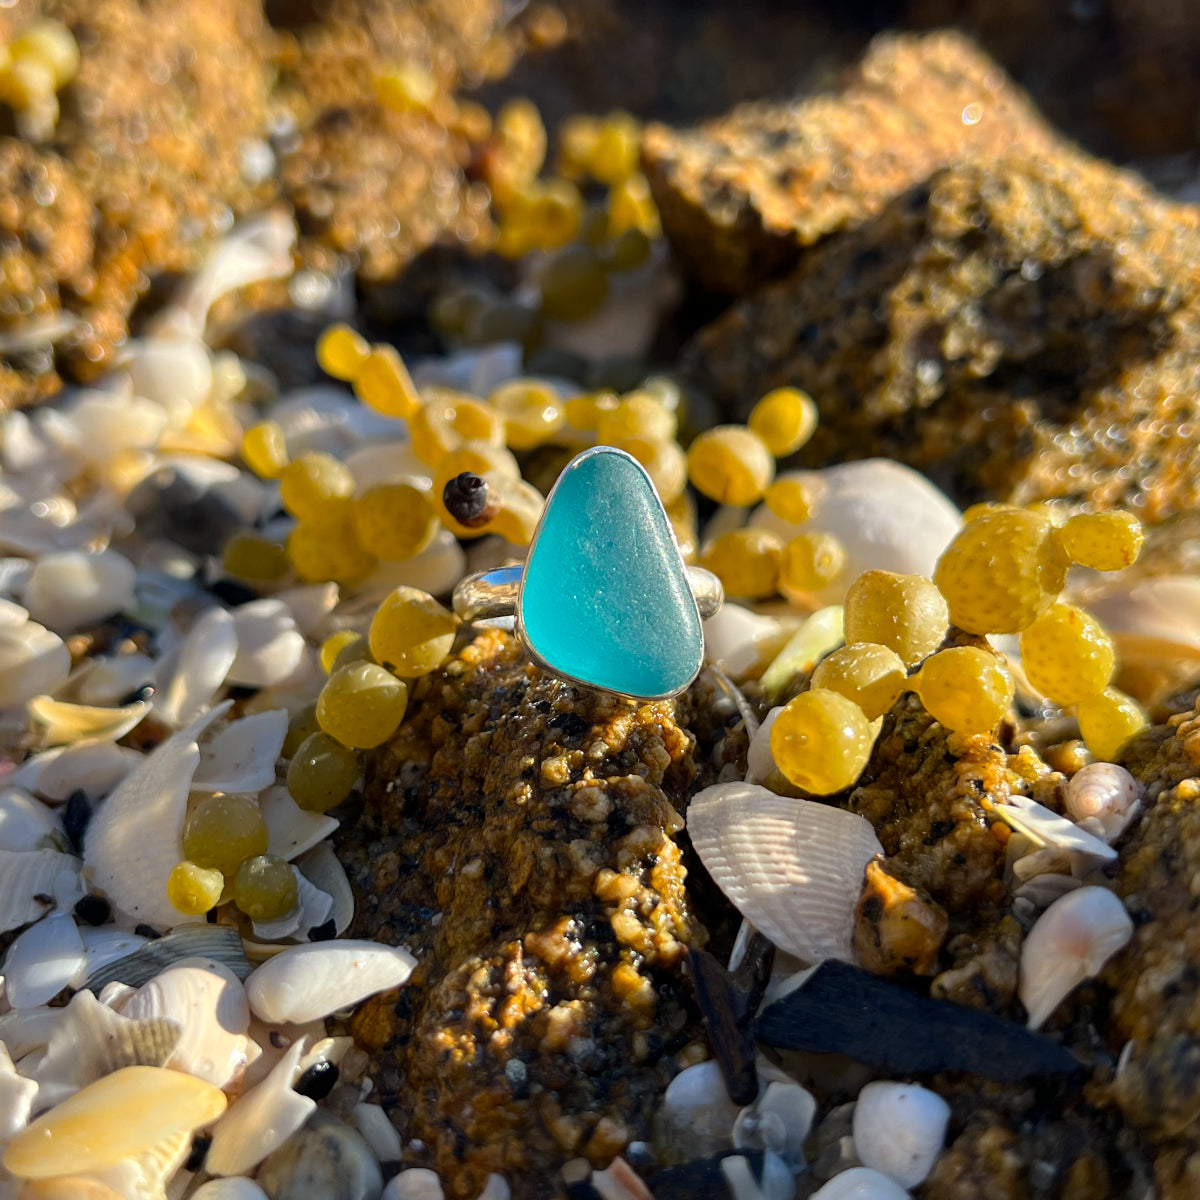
pixel 605 598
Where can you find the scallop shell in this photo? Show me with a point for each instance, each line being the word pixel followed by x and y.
pixel 241 756
pixel 132 842
pixel 26 823
pixel 222 943
pixel 1071 942
pixel 793 868
pixel 58 723
pixel 779 1120
pixel 270 646
pixel 204 660
pixel 1046 828
pixel 93 766
pixel 261 1121
pixel 899 1130
pixel 28 877
pixel 207 1001
pixel 312 908
pixel 861 1183
pixel 16 1097
pixel 32 660
pixel 322 867
pixel 291 830
pixel 130 1112
pixel 305 983
pixel 42 961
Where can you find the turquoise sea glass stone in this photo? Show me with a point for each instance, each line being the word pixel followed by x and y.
pixel 605 599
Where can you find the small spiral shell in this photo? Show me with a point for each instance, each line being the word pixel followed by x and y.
pixel 1106 793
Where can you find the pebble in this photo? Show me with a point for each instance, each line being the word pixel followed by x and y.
pixel 327 1159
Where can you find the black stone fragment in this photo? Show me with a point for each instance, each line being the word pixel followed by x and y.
pixel 76 814
pixel 196 1156
pixel 93 910
pixel 840 1009
pixel 688 1181
pixel 231 593
pixel 317 1082
pixel 147 931
pixel 325 932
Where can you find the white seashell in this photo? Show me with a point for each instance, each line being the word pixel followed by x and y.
pixel 14 575
pixel 269 644
pixel 32 660
pixel 310 605
pixel 759 760
pixel 236 1187
pixel 777 1182
pixel 93 766
pixel 208 1003
pixel 378 1132
pixel 326 418
pixel 175 373
pixel 261 1121
pixel 1071 942
pixel 105 424
pixel 793 868
pixel 779 1120
pixel 69 589
pixel 1152 618
pixel 820 634
pixel 42 961
pixel 291 830
pixel 26 875
pixel 312 908
pixel 435 570
pixel 241 756
pixel 12 615
pixel 476 370
pixel 16 1097
pixel 58 723
pixel 861 1183
pixel 111 679
pixel 388 462
pixel 132 842
pixel 416 1183
pixel 220 943
pixel 496 1186
pixel 107 945
pixel 1106 793
pixel 1042 890
pixel 205 657
pixel 304 983
pixel 1046 828
pixel 886 515
pixel 144 1175
pixel 695 1117
pixel 734 638
pixel 899 1130
pixel 26 823
pixel 321 866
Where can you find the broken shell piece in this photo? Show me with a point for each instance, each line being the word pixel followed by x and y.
pixel 305 983
pixel 760 762
pixel 145 1174
pixel 326 1158
pixel 1104 792
pixel 125 1113
pixel 58 723
pixel 861 1183
pixel 737 639
pixel 618 1181
pixel 415 1183
pixel 112 678
pixel 32 882
pixel 322 867
pixel 378 1131
pixel 1046 828
pixel 1042 890
pixel 221 943
pixel 291 830
pixel 16 1097
pixel 69 589
pixel 793 868
pixel 899 1129
pixel 895 928
pixel 1071 942
pixel 695 1118
pixel 32 660
pixel 312 908
pixel 779 1120
pixel 261 1121
pixel 42 961
pixel 94 767
pixel 204 660
pixel 241 756
pixel 269 644
pixel 26 823
pixel 774 1181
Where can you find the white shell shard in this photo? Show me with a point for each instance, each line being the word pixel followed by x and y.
pixel 27 877
pixel 312 908
pixel 496 1186
pixel 32 660
pixel 236 1187
pixel 861 1183
pixel 322 867
pixel 241 756
pixel 59 723
pixel 26 823
pixel 1152 619
pixel 378 1132
pixel 695 1117
pixel 435 570
pixel 388 462
pixel 1042 890
pixel 111 679
pixel 222 943
pixel 105 424
pixel 1071 942
pixel 269 644
pixel 291 830
pixel 415 1183
pixel 734 637
pixel 70 589
pixel 92 766
pixel 204 660
pixel 208 1003
pixel 886 515
pixel 1046 828
pixel 262 1120
pixel 1106 793
pixel 899 1129
pixel 759 759
pixel 133 840
pixel 779 1120
pixel 107 945
pixel 793 868
pixel 310 605
pixel 42 961
pixel 820 634
pixel 304 983
pixel 776 1183
pixel 16 1097
pixel 173 372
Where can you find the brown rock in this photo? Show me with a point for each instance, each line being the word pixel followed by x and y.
pixel 896 929
pixel 984 1163
pixel 517 837
pixel 741 195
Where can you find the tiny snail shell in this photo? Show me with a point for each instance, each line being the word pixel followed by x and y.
pixel 899 1129
pixel 1071 942
pixel 1106 792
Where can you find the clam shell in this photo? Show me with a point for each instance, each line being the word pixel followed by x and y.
pixel 42 961
pixel 16 1097
pixel 69 589
pixel 28 876
pixel 59 723
pixel 92 766
pixel 207 1001
pixel 291 830
pixel 221 943
pixel 32 660
pixel 1046 828
pixel 236 1187
pixel 322 867
pixel 899 1130
pixel 792 868
pixel 1071 942
pixel 261 1121
pixel 305 983
pixel 26 823
pixel 132 842
pixel 241 756
pixel 270 646
pixel 312 908
pixel 204 660
pixel 129 1112
pixel 105 945
pixel 861 1183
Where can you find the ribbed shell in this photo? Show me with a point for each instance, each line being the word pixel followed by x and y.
pixel 28 874
pixel 793 868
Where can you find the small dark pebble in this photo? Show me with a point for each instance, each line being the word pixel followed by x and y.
pixel 278 1040
pixel 232 593
pixel 93 910
pixel 237 692
pixel 200 1145
pixel 517 1074
pixel 466 499
pixel 569 724
pixel 44 898
pixel 76 814
pixel 185 505
pixel 840 1009
pixel 325 932
pixel 702 1177
pixel 138 695
pixel 146 931
pixel 317 1082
